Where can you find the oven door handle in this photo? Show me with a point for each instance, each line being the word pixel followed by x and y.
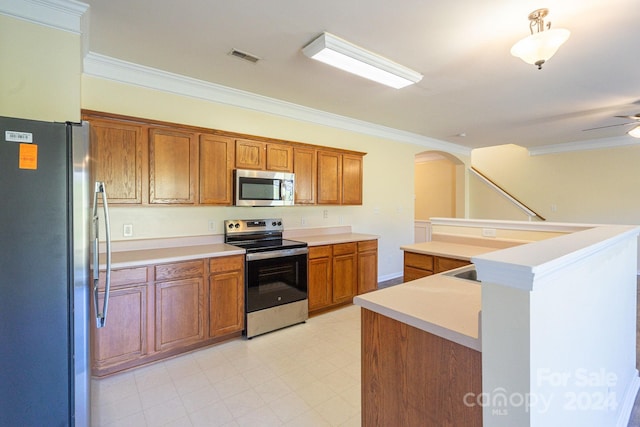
pixel 276 254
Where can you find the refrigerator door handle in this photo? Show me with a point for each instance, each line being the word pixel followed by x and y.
pixel 101 316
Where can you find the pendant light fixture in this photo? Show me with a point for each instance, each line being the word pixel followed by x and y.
pixel 348 57
pixel 542 44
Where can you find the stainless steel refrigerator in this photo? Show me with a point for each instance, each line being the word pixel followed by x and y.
pixel 47 226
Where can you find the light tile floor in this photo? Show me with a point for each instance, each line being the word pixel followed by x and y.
pixel 304 375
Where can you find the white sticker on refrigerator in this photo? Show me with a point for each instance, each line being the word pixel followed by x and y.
pixel 15 136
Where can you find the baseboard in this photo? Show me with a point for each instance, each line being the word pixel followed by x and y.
pixel 626 406
pixel 390 276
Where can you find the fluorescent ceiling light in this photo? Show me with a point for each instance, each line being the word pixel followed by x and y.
pixel 341 54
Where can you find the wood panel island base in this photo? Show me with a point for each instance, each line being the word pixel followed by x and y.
pixel 411 377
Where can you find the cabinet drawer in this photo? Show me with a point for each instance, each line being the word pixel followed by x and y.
pixel 226 263
pixel 124 277
pixel 179 270
pixel 422 261
pixel 411 273
pixel 444 264
pixel 344 248
pixel 367 245
pixel 319 251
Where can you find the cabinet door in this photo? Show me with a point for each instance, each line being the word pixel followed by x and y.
pixel 179 313
pixel 351 179
pixel 319 283
pixel 173 167
pixel 345 272
pixel 329 178
pixel 118 150
pixel 124 337
pixel 279 158
pixel 226 303
pixel 216 170
pixel 367 266
pixel 304 166
pixel 250 154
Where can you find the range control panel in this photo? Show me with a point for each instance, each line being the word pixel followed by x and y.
pixel 232 226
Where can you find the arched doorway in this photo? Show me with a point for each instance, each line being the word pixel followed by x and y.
pixel 439 189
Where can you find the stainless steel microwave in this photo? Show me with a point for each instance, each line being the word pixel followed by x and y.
pixel 263 188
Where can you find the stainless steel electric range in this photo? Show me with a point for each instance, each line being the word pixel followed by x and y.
pixel 275 274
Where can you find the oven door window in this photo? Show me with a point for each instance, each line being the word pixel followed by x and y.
pixel 276 281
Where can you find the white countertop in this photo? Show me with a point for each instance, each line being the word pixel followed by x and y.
pixel 441 305
pixel 137 258
pixel 144 256
pixel 331 239
pixel 448 249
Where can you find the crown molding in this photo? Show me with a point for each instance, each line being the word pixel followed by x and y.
pixel 109 68
pixel 589 144
pixel 66 15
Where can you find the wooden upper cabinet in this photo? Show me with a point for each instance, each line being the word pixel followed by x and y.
pixel 263 156
pixel 351 179
pixel 217 156
pixel 304 166
pixel 173 166
pixel 119 152
pixel 279 158
pixel 329 178
pixel 250 154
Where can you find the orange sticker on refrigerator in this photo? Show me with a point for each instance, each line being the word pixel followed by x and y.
pixel 28 156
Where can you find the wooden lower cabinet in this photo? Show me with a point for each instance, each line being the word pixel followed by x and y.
pixel 157 311
pixel 421 265
pixel 341 271
pixel 445 264
pixel 226 295
pixel 320 279
pixel 123 339
pixel 345 272
pixel 413 378
pixel 367 266
pixel 179 313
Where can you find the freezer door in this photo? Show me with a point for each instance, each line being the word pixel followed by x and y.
pixel 36 330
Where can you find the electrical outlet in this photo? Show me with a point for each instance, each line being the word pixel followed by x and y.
pixel 127 230
pixel 212 225
pixel 489 232
pixel 325 214
pixel 303 221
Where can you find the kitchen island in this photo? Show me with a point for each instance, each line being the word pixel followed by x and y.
pixel 421 352
pixel 557 338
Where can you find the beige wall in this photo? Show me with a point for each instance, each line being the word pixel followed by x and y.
pixel 435 189
pixel 40 72
pixel 596 186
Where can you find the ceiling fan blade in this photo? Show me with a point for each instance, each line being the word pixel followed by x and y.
pixel 636 117
pixel 608 126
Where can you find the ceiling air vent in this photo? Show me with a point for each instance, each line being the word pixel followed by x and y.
pixel 244 55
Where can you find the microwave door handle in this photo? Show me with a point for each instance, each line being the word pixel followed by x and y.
pixel 282 189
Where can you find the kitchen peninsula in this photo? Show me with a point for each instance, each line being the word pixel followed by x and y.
pixel 561 305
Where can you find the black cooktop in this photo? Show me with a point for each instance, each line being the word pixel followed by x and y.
pixel 268 245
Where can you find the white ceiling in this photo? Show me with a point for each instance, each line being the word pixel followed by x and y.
pixel 471 83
